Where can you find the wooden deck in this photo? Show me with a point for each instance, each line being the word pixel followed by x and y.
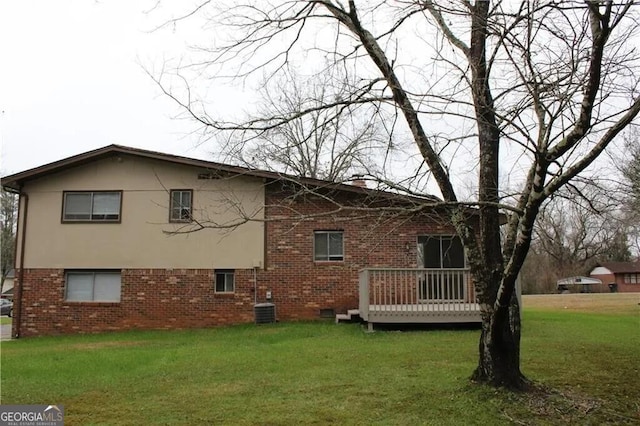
pixel 426 312
pixel 417 296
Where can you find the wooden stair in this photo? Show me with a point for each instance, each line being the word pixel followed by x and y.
pixel 351 316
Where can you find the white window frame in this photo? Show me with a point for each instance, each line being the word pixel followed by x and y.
pixel 329 256
pixel 96 286
pixel 177 213
pixel 91 214
pixel 225 281
pixel 632 278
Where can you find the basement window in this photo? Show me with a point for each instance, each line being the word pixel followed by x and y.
pixel 225 281
pixel 93 286
pixel 327 313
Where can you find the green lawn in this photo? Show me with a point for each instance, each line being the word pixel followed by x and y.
pixel 321 373
pixel 5 320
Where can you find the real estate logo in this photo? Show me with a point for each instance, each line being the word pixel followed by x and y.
pixel 31 415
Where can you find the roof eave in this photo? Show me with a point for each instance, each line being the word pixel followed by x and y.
pixel 15 181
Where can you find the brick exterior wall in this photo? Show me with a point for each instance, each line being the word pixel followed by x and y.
pixel 150 299
pixel 622 286
pixel 301 288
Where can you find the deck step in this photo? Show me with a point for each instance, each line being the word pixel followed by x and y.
pixel 351 315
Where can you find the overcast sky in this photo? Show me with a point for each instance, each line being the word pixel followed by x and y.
pixel 71 81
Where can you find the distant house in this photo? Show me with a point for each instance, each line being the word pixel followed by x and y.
pixel 622 276
pixel 7 285
pixel 580 285
pixel 121 238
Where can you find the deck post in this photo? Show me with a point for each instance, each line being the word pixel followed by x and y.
pixel 363 305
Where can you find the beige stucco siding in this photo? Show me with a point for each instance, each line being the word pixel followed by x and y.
pixel 144 238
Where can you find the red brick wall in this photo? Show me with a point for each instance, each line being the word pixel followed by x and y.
pixel 184 298
pixel 302 287
pixel 619 280
pixel 606 280
pixel 150 298
pixel 626 287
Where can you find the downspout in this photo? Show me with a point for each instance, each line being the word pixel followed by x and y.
pixel 17 314
pixel 255 285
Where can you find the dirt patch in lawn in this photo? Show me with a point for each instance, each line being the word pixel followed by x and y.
pixel 585 302
pixel 550 406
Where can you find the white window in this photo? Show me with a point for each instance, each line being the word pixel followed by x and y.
pixel 93 286
pixel 328 246
pixel 93 206
pixel 180 205
pixel 225 282
pixel 632 278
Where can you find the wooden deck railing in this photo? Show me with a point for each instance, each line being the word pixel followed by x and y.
pixel 417 295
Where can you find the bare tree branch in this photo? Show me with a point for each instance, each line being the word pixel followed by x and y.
pixel 540 89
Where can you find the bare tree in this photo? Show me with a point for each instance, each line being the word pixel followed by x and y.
pixel 331 143
pixel 580 227
pixel 630 186
pixel 8 221
pixel 575 233
pixel 537 90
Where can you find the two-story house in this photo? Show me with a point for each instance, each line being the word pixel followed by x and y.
pixel 122 238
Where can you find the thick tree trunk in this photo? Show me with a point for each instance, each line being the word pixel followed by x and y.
pixel 499 363
pixel 499 349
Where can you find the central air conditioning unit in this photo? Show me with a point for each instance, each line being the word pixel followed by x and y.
pixel 265 313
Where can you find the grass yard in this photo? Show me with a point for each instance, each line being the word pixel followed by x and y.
pixel 5 320
pixel 586 361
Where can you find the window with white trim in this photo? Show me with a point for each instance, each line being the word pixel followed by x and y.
pixel 632 278
pixel 181 202
pixel 225 281
pixel 91 206
pixel 93 286
pixel 328 246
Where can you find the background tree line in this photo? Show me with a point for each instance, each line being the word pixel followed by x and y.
pixel 596 220
pixel 533 92
pixel 8 221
